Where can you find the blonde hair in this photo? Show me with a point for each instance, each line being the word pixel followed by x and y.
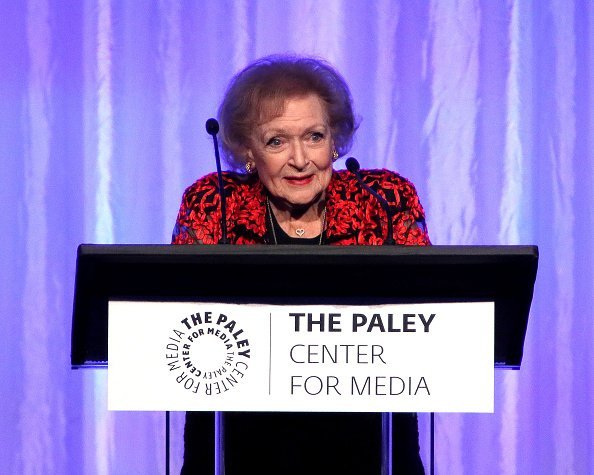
pixel 259 93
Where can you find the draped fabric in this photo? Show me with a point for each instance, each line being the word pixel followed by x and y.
pixel 487 106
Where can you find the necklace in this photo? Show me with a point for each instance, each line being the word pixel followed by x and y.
pixel 298 231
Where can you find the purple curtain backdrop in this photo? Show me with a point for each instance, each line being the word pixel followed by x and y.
pixel 487 106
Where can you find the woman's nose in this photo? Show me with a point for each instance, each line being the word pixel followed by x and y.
pixel 299 156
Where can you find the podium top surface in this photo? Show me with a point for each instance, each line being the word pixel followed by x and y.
pixel 356 275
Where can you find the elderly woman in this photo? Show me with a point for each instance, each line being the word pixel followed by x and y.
pixel 284 121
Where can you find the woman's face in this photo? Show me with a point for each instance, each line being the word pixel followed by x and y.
pixel 293 153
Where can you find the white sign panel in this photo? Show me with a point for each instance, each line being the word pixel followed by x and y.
pixel 222 357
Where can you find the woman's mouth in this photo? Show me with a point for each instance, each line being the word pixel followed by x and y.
pixel 299 181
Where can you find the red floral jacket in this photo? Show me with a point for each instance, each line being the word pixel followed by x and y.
pixel 353 216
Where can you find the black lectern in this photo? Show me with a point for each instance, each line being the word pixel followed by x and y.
pixel 301 275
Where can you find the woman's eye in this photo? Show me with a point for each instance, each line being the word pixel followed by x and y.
pixel 274 142
pixel 317 136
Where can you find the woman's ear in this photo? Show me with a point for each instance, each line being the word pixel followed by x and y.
pixel 334 152
pixel 250 163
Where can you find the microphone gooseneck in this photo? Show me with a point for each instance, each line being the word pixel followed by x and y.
pixel 353 166
pixel 212 128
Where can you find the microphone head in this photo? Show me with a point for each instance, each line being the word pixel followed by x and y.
pixel 352 165
pixel 212 126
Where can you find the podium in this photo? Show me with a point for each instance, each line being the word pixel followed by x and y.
pixel 300 275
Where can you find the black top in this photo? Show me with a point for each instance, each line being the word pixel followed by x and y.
pixel 282 237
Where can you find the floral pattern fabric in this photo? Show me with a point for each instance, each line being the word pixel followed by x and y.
pixel 353 215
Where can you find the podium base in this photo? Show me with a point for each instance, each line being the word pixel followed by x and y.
pixel 346 443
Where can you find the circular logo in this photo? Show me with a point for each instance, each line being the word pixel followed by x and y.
pixel 208 353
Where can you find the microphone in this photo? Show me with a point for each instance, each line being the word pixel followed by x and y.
pixel 353 166
pixel 212 128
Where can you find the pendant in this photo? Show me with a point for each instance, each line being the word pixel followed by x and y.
pixel 300 232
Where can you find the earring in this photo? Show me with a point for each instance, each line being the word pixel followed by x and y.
pixel 334 155
pixel 248 167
